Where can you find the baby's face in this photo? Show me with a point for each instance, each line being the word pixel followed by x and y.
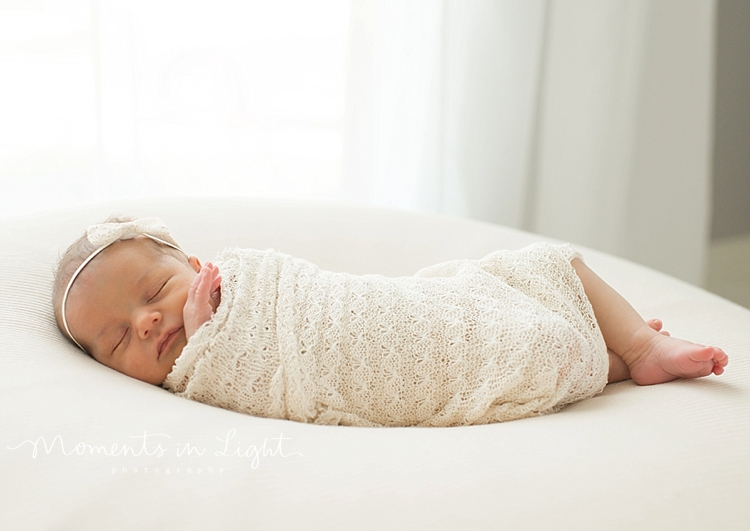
pixel 125 308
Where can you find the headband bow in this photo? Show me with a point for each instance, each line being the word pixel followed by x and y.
pixel 108 233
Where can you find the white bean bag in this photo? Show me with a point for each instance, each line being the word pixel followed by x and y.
pixel 84 447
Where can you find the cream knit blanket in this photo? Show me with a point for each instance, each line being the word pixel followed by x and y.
pixel 465 342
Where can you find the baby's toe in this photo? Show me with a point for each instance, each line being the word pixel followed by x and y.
pixel 703 354
pixel 721 357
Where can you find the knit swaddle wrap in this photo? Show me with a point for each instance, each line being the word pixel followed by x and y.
pixel 465 342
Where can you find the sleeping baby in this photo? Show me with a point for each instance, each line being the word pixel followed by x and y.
pixel 512 335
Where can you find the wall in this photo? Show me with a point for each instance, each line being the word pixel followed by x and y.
pixel 731 164
pixel 728 271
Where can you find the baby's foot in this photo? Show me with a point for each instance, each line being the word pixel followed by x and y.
pixel 656 324
pixel 658 358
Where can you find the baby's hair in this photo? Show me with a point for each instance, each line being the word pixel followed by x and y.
pixel 80 250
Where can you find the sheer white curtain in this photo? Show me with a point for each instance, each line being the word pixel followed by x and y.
pixel 585 120
pixel 106 99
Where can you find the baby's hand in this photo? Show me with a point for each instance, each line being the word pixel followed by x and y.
pixel 198 308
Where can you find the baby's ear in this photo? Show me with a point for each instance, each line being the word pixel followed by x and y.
pixel 194 263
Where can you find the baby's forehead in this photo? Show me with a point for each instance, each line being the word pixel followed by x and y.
pixel 139 248
pixel 124 259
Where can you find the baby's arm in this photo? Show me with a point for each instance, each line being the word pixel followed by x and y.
pixel 198 307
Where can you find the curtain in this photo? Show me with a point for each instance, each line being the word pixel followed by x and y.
pixel 583 120
pixel 110 99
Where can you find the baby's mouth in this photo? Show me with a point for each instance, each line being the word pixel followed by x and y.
pixel 166 342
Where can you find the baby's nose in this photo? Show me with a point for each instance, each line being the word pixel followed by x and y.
pixel 147 323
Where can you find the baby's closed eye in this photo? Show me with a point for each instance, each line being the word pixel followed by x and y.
pixel 161 285
pixel 121 341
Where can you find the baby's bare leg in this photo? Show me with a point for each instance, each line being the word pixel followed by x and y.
pixel 650 357
pixel 618 369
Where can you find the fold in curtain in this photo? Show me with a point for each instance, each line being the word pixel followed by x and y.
pixel 583 120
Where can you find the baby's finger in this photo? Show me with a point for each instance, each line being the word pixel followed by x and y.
pixel 197 292
pixel 202 289
pixel 194 285
pixel 215 276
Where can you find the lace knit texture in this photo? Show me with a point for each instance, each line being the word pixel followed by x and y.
pixel 509 336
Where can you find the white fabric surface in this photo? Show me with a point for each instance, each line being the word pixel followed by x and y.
pixel 673 456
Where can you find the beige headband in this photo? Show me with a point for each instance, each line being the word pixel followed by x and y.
pixel 104 235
